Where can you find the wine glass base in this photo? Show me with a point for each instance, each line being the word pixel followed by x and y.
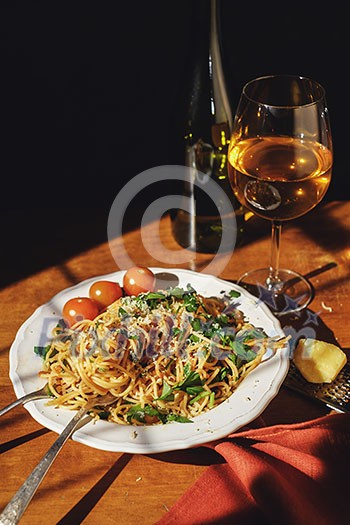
pixel 291 294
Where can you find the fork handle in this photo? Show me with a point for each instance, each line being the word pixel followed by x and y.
pixel 13 511
pixel 24 399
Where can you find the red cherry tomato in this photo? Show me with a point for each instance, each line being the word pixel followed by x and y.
pixel 79 308
pixel 138 279
pixel 105 293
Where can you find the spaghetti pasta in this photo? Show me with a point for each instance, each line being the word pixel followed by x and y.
pixel 165 356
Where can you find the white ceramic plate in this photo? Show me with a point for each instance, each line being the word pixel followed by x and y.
pixel 248 401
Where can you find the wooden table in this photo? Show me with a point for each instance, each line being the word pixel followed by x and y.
pixel 93 486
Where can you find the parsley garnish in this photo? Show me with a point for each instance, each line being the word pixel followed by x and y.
pixel 138 413
pixel 41 351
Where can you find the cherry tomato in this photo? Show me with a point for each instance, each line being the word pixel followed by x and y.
pixel 138 279
pixel 79 308
pixel 105 293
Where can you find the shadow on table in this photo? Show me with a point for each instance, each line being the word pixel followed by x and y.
pixel 82 509
pixel 36 239
pixel 13 443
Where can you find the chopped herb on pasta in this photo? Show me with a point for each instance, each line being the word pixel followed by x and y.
pixel 165 356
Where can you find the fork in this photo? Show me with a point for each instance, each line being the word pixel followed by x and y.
pixel 42 393
pixel 13 511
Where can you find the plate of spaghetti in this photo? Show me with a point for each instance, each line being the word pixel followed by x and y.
pixel 190 362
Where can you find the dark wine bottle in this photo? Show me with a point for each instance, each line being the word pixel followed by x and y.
pixel 205 140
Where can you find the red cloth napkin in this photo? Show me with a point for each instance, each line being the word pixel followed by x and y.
pixel 285 474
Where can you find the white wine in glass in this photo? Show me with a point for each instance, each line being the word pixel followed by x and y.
pixel 280 166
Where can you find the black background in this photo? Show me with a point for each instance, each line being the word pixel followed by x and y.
pixel 90 91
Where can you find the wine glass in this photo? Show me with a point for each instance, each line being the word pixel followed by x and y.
pixel 280 164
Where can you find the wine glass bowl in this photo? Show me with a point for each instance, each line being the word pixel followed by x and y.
pixel 280 165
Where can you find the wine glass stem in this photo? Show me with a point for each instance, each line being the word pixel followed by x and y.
pixel 273 281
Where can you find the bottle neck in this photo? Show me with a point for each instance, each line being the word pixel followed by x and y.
pixel 208 94
pixel 220 97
